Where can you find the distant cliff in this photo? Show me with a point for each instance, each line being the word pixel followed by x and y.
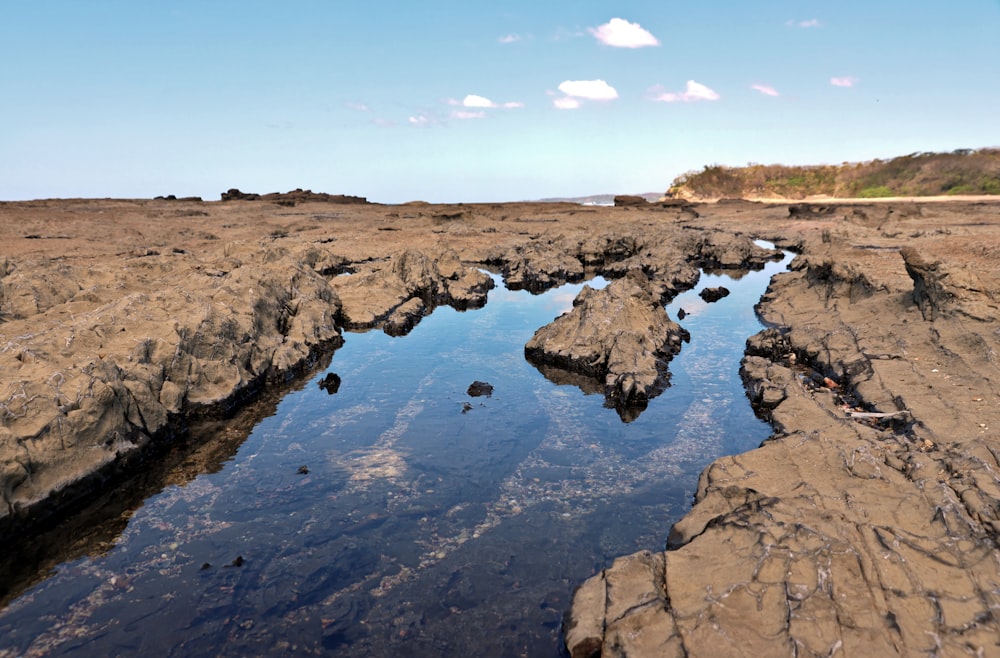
pixel 965 171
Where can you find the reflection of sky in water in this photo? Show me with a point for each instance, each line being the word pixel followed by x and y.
pixel 422 522
pixel 558 300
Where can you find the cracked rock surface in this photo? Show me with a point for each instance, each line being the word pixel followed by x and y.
pixel 868 523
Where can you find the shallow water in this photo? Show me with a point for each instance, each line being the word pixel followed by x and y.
pixel 390 518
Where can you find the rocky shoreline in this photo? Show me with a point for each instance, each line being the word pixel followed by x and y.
pixel 867 522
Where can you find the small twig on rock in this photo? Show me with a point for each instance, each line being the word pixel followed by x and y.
pixel 871 414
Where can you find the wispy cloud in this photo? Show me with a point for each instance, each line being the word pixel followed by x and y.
pixel 767 90
pixel 619 33
pixel 420 120
pixel 574 90
pixel 481 102
pixel 846 81
pixel 509 38
pixel 805 24
pixel 384 123
pixel 566 103
pixel 467 114
pixel 594 90
pixel 694 91
pixel 360 107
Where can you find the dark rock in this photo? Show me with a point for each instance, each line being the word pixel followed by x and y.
pixel 172 197
pixel 303 470
pixel 630 201
pixel 929 293
pixel 233 194
pixel 714 294
pixel 478 388
pixel 681 314
pixel 292 197
pixel 330 383
pixel 810 211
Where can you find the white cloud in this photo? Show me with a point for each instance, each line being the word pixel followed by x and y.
pixel 847 81
pixel 509 38
pixel 619 33
pixel 595 90
pixel 481 102
pixel 360 107
pixel 812 22
pixel 767 90
pixel 694 92
pixel 473 100
pixel 566 103
pixel 420 120
pixel 466 114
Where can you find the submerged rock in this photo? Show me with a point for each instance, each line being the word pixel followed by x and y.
pixel 620 335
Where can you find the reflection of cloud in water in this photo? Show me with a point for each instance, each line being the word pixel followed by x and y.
pixel 562 301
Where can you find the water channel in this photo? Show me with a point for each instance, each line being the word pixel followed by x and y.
pixel 399 515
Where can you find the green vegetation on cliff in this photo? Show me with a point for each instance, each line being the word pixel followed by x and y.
pixel 965 171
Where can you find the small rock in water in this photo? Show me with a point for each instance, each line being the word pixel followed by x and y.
pixel 330 383
pixel 681 314
pixel 478 388
pixel 238 562
pixel 303 470
pixel 714 294
pixel 466 407
pixel 206 565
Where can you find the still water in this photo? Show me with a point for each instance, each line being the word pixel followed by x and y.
pixel 399 515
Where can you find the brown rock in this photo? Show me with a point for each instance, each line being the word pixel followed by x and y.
pixel 630 201
pixel 714 294
pixel 620 335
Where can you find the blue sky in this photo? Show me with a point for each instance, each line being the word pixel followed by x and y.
pixel 492 101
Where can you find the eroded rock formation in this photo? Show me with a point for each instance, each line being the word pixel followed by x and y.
pixel 98 376
pixel 620 335
pixel 399 292
pixel 868 524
